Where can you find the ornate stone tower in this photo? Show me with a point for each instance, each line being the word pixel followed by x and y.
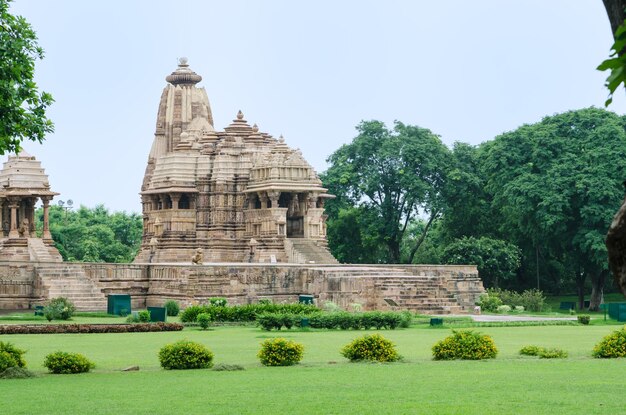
pixel 239 195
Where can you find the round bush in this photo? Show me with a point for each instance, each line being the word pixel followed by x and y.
pixel 11 356
pixel 59 308
pixel 204 320
pixel 280 352
pixel 185 354
pixel 66 363
pixel 584 319
pixel 465 345
pixel 530 350
pixel 613 345
pixel 171 308
pixel 552 354
pixel 372 347
pixel 6 361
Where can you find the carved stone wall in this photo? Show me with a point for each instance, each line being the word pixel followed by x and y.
pixel 428 289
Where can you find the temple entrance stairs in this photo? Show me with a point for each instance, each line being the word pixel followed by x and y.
pixel 402 290
pixel 40 252
pixel 62 280
pixel 307 251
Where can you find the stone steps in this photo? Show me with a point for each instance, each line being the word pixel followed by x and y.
pixel 73 284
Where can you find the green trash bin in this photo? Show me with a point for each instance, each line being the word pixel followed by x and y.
pixel 436 322
pixel 118 304
pixel 39 310
pixel 157 313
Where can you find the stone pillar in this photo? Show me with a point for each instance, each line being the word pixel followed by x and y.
pixel 13 205
pixel 264 199
pixel 274 196
pixel 175 199
pixel 46 218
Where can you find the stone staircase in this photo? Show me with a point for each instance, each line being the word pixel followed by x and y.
pixel 70 281
pixel 40 252
pixel 398 288
pixel 307 251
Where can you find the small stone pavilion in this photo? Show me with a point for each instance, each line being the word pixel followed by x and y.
pixel 237 195
pixel 22 183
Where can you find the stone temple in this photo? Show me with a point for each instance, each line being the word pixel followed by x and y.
pixel 245 202
pixel 238 195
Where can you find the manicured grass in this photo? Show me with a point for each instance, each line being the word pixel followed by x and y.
pixel 324 383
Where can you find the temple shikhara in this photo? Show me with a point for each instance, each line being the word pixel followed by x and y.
pixel 237 195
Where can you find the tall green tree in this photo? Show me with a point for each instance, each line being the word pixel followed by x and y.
pixel 94 235
pixel 495 259
pixel 22 106
pixel 393 175
pixel 555 185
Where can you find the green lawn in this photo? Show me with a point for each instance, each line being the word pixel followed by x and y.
pixel 324 383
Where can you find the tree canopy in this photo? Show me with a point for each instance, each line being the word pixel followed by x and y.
pixel 390 176
pixel 94 235
pixel 22 106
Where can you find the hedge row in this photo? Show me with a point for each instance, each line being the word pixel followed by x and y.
pixel 342 320
pixel 243 313
pixel 87 328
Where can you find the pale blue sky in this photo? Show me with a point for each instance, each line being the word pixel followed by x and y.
pixel 467 70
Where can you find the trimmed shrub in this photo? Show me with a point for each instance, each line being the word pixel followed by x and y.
pixel 67 363
pixel 552 354
pixel 465 345
pixel 59 308
pixel 17 373
pixel 171 308
pixel 280 352
pixel 204 320
pixel 518 309
pixel 530 350
pixel 218 302
pixel 245 312
pixel 185 354
pixel 584 319
pixel 144 316
pixel 88 328
pixel 11 356
pixel 374 348
pixel 611 346
pixel 489 303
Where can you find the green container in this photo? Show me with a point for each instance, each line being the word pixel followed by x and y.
pixel 39 310
pixel 305 299
pixel 617 311
pixel 436 322
pixel 118 304
pixel 305 322
pixel 157 313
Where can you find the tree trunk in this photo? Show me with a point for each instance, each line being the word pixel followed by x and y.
pixel 419 242
pixel 615 11
pixel 597 291
pixel 580 289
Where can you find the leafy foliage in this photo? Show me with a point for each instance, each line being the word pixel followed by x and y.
pixel 67 363
pixel 204 320
pixel 94 235
pixel 495 259
pixel 185 354
pixel 465 345
pixel 530 351
pixel 388 176
pixel 584 319
pixel 338 319
pixel 373 348
pixel 531 300
pixel 543 353
pixel 245 312
pixel 59 308
pixel 15 372
pixel 11 356
pixel 611 346
pixel 280 352
pixel 22 107
pixel 172 308
pixel 615 64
